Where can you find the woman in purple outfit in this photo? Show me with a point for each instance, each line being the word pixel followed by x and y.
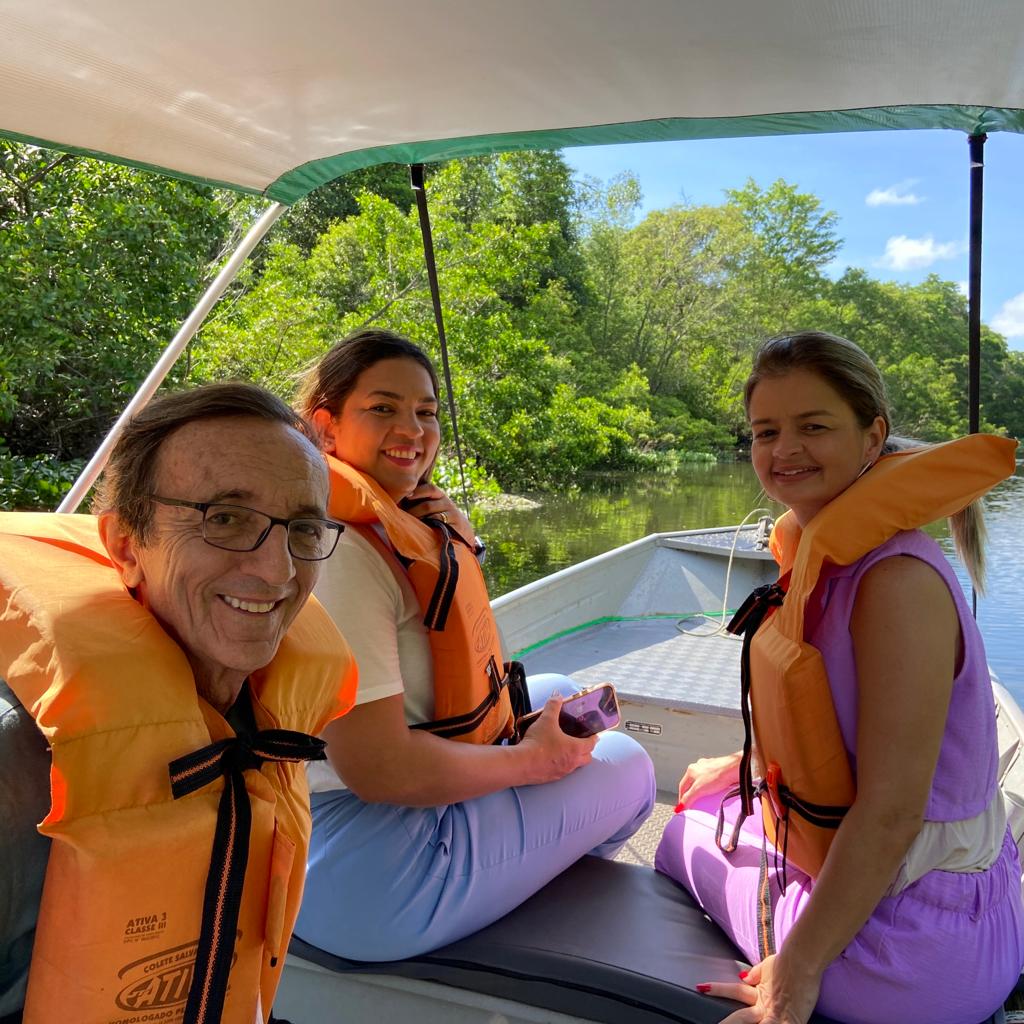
pixel 915 914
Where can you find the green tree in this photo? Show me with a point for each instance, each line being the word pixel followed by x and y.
pixel 338 200
pixel 676 272
pixel 1003 403
pixel 794 239
pixel 580 337
pixel 100 264
pixel 917 334
pixel 924 398
pixel 522 415
pixel 605 315
pixel 663 299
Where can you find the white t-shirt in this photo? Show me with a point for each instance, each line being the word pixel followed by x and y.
pixel 377 612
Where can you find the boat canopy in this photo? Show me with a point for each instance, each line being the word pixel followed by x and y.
pixel 276 100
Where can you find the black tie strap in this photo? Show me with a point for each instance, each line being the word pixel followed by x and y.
pixel 746 622
pixel 754 610
pixel 436 616
pixel 230 855
pixel 780 798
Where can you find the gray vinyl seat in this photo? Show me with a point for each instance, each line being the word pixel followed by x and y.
pixel 609 942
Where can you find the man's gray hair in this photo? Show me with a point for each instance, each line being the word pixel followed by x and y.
pixel 130 475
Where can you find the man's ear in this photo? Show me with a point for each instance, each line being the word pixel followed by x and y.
pixel 324 423
pixel 122 548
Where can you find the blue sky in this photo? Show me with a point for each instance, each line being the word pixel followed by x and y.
pixel 901 197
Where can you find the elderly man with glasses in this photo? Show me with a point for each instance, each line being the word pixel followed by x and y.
pixel 165 653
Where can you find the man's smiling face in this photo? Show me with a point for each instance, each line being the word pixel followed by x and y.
pixel 228 610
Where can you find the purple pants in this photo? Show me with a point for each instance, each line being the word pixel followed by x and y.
pixel 945 950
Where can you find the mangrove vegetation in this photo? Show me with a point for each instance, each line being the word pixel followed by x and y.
pixel 583 336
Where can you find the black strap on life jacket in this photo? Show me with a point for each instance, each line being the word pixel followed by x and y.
pixel 441 600
pixel 781 799
pixel 748 618
pixel 458 725
pixel 765 910
pixel 746 622
pixel 757 607
pixel 436 619
pixel 229 858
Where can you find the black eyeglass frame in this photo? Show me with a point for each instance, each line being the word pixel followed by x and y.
pixel 204 506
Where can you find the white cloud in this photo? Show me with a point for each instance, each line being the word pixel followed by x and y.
pixel 1009 321
pixel 961 287
pixel 902 253
pixel 894 195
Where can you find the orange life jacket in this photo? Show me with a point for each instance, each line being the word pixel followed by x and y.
pixel 123 900
pixel 475 700
pixel 807 783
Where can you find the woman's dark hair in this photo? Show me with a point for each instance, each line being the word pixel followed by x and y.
pixel 332 378
pixel 851 373
pixel 130 475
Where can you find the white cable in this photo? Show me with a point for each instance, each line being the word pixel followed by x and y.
pixel 720 628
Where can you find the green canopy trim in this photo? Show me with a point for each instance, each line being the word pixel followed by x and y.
pixel 300 181
pixel 968 119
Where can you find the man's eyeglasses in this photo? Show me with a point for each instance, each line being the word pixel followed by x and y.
pixel 237 528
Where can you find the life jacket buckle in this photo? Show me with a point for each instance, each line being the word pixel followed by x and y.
pixel 755 608
pixel 771 786
pixel 497 678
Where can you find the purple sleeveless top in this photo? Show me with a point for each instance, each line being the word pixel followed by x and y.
pixel 965 776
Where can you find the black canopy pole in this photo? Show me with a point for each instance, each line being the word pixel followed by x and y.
pixel 416 179
pixel 976 148
pixel 976 145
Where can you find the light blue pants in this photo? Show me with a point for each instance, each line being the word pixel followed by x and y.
pixel 387 882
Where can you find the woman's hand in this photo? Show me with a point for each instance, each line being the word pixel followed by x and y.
pixel 430 500
pixel 773 993
pixel 709 775
pixel 551 753
pixel 383 761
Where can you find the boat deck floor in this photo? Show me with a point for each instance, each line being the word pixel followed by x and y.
pixel 669 660
pixel 642 846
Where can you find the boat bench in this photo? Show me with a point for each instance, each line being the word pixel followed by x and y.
pixel 609 942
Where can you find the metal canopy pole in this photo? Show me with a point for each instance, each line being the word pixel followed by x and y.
pixel 976 148
pixel 976 144
pixel 170 354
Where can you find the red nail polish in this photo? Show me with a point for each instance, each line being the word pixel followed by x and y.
pixel 679 806
pixel 703 988
pixel 743 975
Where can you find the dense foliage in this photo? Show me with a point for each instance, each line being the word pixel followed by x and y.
pixel 582 337
pixel 100 264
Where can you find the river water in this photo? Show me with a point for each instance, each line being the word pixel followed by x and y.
pixel 613 509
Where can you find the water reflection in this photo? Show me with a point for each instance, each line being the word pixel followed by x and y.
pixel 613 509
pixel 1001 609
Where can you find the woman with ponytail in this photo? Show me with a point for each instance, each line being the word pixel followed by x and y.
pixel 857 850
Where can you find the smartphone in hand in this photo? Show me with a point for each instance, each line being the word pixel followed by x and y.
pixel 583 714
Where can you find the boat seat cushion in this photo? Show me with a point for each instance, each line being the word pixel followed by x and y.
pixel 605 941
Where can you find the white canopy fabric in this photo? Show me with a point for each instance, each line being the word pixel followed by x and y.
pixel 278 98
